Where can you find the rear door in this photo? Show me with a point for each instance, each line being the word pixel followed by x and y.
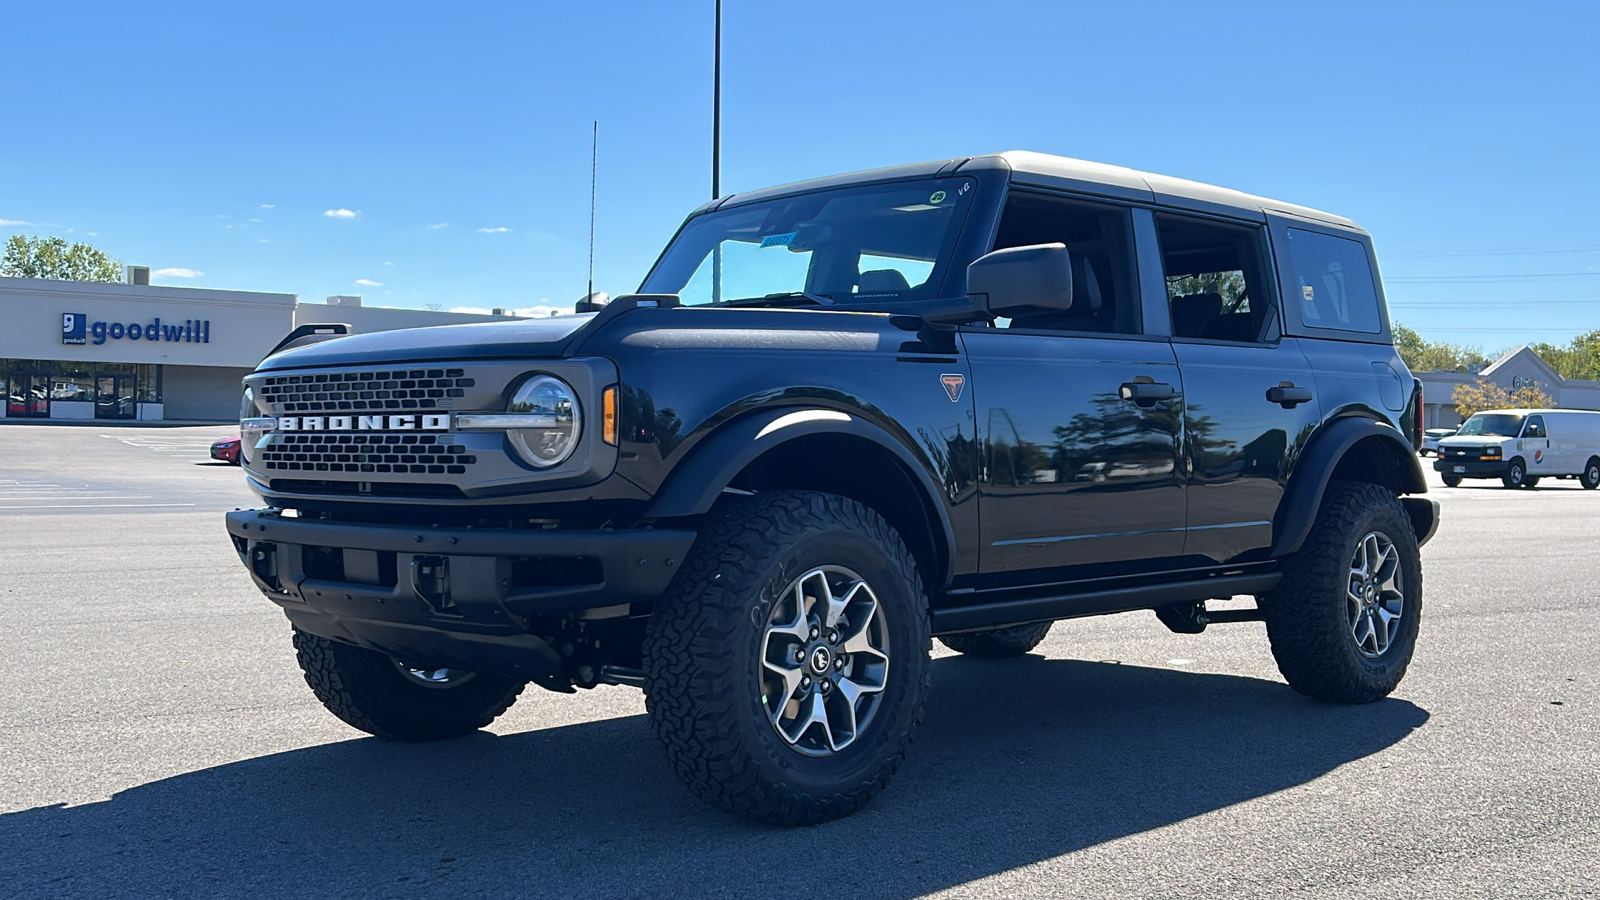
pixel 1249 396
pixel 1079 411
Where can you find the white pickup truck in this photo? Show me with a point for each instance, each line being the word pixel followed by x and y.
pixel 1521 446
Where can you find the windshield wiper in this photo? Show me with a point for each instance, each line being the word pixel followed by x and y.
pixel 785 298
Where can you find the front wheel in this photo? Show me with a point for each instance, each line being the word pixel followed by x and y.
pixel 1590 479
pixel 1515 474
pixel 787 665
pixel 1343 620
pixel 396 700
pixel 1451 480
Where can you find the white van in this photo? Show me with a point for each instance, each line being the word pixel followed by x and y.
pixel 1520 446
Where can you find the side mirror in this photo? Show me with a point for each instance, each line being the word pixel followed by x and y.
pixel 1038 276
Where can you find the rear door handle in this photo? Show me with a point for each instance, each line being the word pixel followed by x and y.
pixel 1146 392
pixel 1287 395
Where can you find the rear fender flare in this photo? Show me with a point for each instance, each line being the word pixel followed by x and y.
pixel 1315 469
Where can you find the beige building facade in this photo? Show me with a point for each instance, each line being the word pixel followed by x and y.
pixel 78 350
pixel 1520 368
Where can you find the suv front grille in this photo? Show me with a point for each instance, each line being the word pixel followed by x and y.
pixel 417 454
pixel 375 390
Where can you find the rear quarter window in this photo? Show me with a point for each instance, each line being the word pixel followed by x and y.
pixel 1333 281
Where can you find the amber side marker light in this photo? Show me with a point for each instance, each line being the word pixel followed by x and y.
pixel 608 415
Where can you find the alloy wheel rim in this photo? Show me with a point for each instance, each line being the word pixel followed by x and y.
pixel 1375 597
pixel 824 661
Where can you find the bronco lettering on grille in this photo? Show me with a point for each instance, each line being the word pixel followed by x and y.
pixel 438 422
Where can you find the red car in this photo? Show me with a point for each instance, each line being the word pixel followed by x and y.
pixel 226 450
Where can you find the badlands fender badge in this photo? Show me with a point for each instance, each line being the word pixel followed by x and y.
pixel 952 385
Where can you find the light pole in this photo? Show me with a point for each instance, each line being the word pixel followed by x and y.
pixel 716 108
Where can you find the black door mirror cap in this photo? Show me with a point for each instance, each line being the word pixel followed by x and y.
pixel 1037 276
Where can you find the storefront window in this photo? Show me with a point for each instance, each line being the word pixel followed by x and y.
pixel 30 386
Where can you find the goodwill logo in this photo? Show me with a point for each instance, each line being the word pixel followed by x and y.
pixel 77 329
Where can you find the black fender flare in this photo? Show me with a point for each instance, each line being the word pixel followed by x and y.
pixel 695 483
pixel 1327 447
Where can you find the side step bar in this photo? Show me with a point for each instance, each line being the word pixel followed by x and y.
pixel 1005 613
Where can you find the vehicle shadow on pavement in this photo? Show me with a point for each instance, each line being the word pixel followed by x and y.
pixel 1018 761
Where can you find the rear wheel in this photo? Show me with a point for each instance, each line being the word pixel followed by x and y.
pixel 400 701
pixel 1343 620
pixel 1516 471
pixel 1451 480
pixel 999 643
pixel 1590 479
pixel 787 665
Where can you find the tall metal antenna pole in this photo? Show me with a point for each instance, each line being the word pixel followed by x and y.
pixel 716 109
pixel 594 170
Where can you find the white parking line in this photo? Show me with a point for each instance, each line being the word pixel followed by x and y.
pixel 98 506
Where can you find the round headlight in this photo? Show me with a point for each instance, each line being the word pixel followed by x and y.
pixel 247 406
pixel 548 444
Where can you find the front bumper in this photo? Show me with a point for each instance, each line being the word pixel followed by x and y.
pixel 459 597
pixel 1470 468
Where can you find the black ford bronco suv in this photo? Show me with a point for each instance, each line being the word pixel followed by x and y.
pixel 961 400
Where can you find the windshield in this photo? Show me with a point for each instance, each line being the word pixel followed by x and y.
pixel 857 245
pixel 1500 424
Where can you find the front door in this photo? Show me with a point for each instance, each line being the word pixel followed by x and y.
pixel 29 396
pixel 113 397
pixel 1535 447
pixel 1079 413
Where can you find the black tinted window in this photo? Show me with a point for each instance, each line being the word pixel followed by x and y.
pixel 1216 284
pixel 1100 242
pixel 1333 282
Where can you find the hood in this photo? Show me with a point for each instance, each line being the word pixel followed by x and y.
pixel 1473 440
pixel 511 339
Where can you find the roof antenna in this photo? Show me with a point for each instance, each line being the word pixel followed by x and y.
pixel 591 302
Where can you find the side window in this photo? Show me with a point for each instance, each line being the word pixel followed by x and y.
pixel 1217 286
pixel 1100 241
pixel 1534 428
pixel 1333 282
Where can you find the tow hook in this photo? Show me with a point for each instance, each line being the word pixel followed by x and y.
pixel 430 579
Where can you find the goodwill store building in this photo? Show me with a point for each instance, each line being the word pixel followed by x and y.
pixel 80 350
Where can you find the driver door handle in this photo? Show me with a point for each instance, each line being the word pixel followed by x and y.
pixel 1287 395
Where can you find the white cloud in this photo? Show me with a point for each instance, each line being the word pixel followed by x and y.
pixel 530 312
pixel 497 230
pixel 13 222
pixel 176 272
pixel 255 220
pixel 438 225
pixel 93 233
pixel 262 241
pixel 342 213
pixel 388 263
pixel 269 206
pixel 367 282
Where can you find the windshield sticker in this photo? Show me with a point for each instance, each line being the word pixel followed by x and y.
pixel 938 197
pixel 777 240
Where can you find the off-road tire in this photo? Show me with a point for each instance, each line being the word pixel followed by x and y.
pixel 1307 614
pixel 1516 474
pixel 366 690
pixel 1590 478
pixel 703 652
pixel 1451 480
pixel 999 643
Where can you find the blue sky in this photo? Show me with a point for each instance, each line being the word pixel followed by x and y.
pixel 217 138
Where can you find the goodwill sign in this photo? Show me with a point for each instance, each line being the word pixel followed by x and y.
pixel 77 329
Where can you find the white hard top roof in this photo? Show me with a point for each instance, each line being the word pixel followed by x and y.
pixel 1082 176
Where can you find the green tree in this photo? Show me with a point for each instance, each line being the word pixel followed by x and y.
pixel 1426 356
pixel 52 257
pixel 1580 359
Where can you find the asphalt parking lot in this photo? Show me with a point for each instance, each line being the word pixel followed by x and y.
pixel 157 740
